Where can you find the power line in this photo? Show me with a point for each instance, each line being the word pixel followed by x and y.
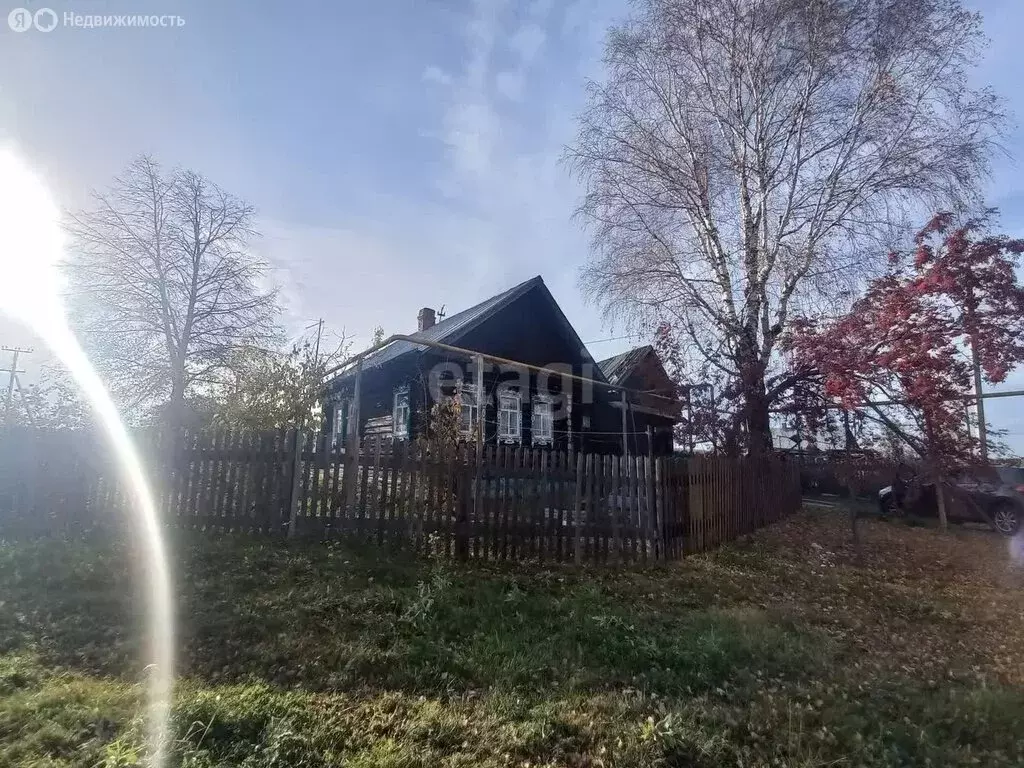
pixel 963 398
pixel 614 338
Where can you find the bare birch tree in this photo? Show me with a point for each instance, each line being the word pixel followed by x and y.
pixel 744 157
pixel 163 287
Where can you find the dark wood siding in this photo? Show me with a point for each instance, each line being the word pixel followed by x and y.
pixel 529 329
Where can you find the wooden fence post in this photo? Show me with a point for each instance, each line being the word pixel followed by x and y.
pixel 296 444
pixel 352 441
pixel 323 471
pixel 477 459
pixel 648 493
pixel 578 508
pixel 467 467
pixel 659 507
pixel 622 508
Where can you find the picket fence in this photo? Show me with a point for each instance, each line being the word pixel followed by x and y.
pixel 512 504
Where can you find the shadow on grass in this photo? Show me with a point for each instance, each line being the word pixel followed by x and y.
pixel 316 655
pixel 338 617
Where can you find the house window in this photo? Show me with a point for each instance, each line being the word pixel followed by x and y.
pixel 400 414
pixel 510 420
pixel 339 429
pixel 467 397
pixel 542 426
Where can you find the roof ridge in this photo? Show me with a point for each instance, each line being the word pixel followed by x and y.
pixel 455 325
pixel 499 298
pixel 616 367
pixel 628 352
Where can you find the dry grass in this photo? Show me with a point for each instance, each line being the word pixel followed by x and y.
pixel 777 650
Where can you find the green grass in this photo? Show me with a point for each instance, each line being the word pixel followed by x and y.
pixel 774 651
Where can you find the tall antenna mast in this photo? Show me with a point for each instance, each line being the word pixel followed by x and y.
pixel 12 377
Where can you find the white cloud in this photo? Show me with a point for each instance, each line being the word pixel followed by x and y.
pixel 471 125
pixel 511 84
pixel 433 74
pixel 506 205
pixel 471 128
pixel 513 196
pixel 527 42
pixel 481 31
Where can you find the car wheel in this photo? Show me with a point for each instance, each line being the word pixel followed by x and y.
pixel 889 507
pixel 1006 518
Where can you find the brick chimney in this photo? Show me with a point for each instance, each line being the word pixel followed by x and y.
pixel 426 319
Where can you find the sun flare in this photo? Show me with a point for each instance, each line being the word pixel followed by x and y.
pixel 31 249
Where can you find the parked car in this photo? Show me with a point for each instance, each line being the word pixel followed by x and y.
pixel 1012 476
pixel 998 496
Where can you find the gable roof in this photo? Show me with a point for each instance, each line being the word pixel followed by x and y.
pixel 454 327
pixel 617 369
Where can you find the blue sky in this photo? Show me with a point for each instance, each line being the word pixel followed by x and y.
pixel 400 154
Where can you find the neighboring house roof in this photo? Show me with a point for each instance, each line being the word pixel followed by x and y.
pixel 453 328
pixel 617 369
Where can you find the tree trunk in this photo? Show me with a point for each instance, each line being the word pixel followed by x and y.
pixel 758 421
pixel 940 501
pixel 755 399
pixel 176 403
pixel 858 547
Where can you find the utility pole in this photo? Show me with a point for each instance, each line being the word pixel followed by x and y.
pixel 969 316
pixel 980 407
pixel 13 376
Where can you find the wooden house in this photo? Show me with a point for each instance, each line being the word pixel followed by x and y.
pixel 525 327
pixel 653 408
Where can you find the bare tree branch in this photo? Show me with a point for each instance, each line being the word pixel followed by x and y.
pixel 163 287
pixel 746 157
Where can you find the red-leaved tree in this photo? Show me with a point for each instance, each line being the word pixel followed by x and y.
pixel 976 282
pixel 950 306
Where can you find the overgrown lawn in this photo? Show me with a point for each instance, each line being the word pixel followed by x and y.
pixel 773 651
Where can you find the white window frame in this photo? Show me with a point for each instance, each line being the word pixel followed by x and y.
pixel 467 401
pixel 400 420
pixel 537 435
pixel 510 402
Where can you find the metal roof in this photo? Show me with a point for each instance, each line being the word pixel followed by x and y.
pixel 617 369
pixel 449 330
